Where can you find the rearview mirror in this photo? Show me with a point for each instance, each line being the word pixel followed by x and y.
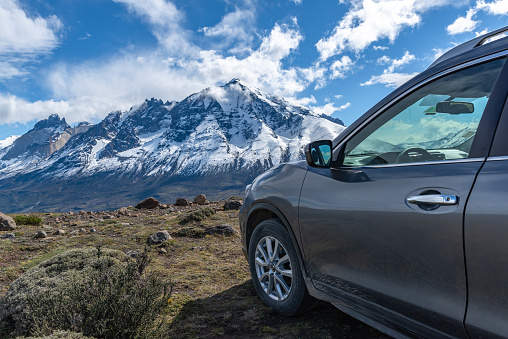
pixel 454 107
pixel 319 153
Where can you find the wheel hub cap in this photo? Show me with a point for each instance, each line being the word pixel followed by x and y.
pixel 273 268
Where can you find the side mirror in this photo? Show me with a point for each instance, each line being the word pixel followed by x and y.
pixel 319 153
pixel 455 107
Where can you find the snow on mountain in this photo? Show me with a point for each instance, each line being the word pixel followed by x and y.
pixel 222 129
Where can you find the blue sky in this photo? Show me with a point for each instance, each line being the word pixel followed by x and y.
pixel 82 59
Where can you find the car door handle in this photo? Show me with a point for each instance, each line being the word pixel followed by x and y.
pixel 438 199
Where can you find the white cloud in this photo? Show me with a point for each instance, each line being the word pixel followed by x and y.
pixel 8 141
pixel 329 108
pixel 499 7
pixel 380 48
pixel 298 2
pixel 463 24
pixel 235 28
pixel 166 22
pixel 389 77
pixel 341 67
pixel 24 38
pixel 368 21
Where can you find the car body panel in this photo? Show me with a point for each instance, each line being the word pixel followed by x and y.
pixel 361 236
pixel 486 245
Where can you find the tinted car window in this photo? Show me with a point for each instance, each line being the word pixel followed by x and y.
pixel 436 122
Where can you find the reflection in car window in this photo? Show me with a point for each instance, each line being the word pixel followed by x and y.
pixel 436 122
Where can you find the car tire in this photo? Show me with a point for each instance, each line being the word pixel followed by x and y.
pixel 276 271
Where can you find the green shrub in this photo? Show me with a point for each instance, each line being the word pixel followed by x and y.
pixel 27 220
pixel 197 215
pixel 96 292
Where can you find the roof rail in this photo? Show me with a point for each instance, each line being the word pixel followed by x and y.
pixel 471 44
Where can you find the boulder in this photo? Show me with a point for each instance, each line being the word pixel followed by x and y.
pixel 182 202
pixel 148 203
pixel 59 232
pixel 122 211
pixel 232 205
pixel 133 253
pixel 158 238
pixel 200 199
pixel 41 234
pixel 7 223
pixel 8 235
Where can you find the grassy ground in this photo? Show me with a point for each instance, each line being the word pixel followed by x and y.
pixel 213 294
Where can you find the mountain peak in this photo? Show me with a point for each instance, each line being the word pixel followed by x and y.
pixel 233 81
pixel 53 121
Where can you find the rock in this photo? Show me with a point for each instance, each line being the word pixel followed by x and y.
pixel 158 238
pixel 59 232
pixel 182 202
pixel 232 205
pixel 163 250
pixel 123 211
pixel 148 203
pixel 200 199
pixel 82 213
pixel 109 217
pixel 133 253
pixel 8 235
pixel 93 230
pixel 82 230
pixel 75 232
pixel 71 213
pixel 226 230
pixel 41 234
pixel 7 223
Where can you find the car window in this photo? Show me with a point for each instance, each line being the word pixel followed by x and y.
pixel 436 122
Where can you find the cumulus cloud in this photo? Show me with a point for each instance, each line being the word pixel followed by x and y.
pixel 329 108
pixel 361 25
pixel 235 29
pixel 341 67
pixel 463 24
pixel 499 7
pixel 23 39
pixel 468 24
pixel 166 22
pixel 390 78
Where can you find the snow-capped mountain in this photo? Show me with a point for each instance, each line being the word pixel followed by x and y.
pixel 231 130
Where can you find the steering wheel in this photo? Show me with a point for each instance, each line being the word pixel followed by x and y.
pixel 404 156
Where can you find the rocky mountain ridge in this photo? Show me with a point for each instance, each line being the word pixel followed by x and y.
pixel 227 131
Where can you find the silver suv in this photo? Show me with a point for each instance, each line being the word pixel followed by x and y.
pixel 402 220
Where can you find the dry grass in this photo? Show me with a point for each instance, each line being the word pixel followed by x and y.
pixel 212 296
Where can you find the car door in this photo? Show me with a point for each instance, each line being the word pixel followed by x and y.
pixel 382 230
pixel 486 239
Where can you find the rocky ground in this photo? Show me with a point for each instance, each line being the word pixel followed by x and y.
pixel 197 245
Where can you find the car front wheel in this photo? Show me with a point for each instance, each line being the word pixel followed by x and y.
pixel 275 270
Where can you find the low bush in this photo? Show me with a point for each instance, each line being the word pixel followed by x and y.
pixel 27 220
pixel 197 215
pixel 97 292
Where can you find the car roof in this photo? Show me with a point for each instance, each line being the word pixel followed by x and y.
pixel 471 44
pixel 481 46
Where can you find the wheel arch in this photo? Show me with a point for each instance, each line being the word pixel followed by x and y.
pixel 264 211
